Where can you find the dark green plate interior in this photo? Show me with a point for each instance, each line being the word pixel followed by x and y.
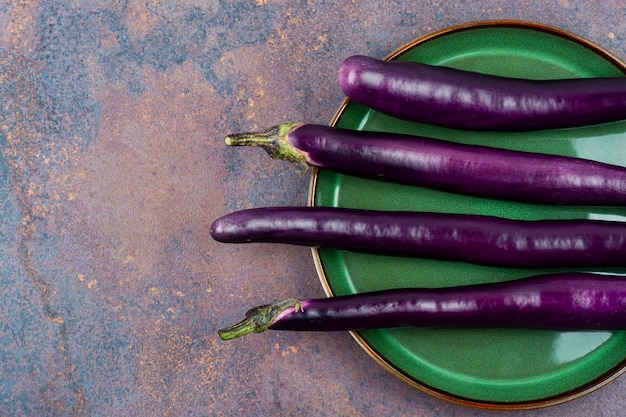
pixel 508 367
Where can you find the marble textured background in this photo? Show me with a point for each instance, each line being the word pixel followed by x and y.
pixel 112 167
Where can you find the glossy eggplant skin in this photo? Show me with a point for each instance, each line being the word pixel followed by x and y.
pixel 472 101
pixel 484 240
pixel 564 301
pixel 466 169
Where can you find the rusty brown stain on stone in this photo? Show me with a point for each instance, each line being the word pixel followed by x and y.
pixel 149 171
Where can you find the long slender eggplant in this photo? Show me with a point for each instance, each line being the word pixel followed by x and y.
pixel 485 240
pixel 467 100
pixel 453 167
pixel 564 301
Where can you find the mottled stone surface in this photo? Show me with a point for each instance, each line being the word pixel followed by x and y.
pixel 112 167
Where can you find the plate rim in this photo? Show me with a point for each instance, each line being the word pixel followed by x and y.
pixel 568 396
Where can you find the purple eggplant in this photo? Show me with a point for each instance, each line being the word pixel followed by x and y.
pixel 564 301
pixel 453 167
pixel 484 240
pixel 467 100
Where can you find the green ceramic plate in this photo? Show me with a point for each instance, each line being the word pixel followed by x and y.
pixel 506 368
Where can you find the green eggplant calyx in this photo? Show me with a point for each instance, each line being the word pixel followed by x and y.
pixel 274 141
pixel 260 318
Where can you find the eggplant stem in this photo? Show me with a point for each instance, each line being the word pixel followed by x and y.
pixel 274 141
pixel 260 318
